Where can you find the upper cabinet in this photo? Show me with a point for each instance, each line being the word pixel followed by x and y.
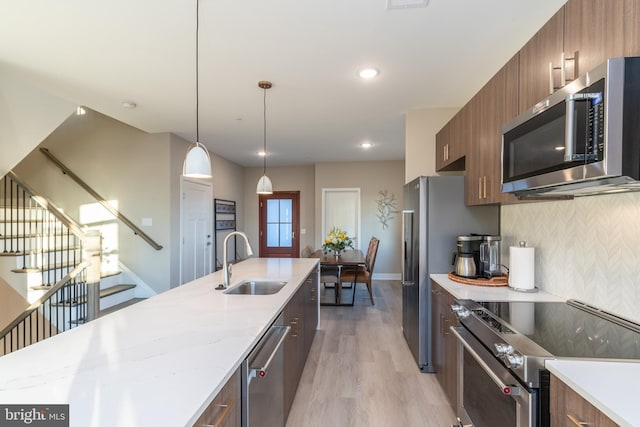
pixel 451 143
pixel 596 30
pixel 536 75
pixel 496 103
pixel 580 36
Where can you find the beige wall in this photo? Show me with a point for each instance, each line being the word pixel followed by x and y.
pixel 290 178
pixel 93 146
pixel 370 177
pixel 27 116
pixel 422 125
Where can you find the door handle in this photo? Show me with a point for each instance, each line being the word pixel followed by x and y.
pixel 293 234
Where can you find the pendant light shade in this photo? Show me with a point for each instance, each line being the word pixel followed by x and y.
pixel 197 163
pixel 264 185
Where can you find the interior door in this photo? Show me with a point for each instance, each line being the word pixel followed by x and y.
pixel 280 224
pixel 341 208
pixel 196 230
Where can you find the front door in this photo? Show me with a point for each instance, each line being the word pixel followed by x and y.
pixel 280 224
pixel 196 229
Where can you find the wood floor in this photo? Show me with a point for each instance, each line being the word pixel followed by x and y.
pixel 360 371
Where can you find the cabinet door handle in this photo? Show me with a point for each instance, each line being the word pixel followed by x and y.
pixel 485 187
pixel 218 422
pixel 295 326
pixel 577 422
pixel 480 188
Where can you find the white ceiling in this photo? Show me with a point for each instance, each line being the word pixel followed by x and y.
pixel 100 53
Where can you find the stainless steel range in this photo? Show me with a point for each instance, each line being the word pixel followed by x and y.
pixel 503 347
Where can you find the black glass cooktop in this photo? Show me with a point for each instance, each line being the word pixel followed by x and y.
pixel 567 331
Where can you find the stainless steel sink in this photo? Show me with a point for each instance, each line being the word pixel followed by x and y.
pixel 256 287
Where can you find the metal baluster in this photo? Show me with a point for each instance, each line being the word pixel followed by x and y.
pixel 24 230
pixel 4 217
pixel 11 216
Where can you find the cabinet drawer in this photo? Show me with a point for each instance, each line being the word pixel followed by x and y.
pixel 224 411
pixel 570 409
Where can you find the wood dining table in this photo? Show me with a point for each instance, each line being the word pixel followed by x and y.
pixel 349 259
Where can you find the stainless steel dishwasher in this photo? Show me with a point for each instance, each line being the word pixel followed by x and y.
pixel 263 379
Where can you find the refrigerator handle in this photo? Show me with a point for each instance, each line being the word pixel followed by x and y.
pixel 407 248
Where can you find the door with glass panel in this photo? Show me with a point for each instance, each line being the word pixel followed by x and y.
pixel 280 224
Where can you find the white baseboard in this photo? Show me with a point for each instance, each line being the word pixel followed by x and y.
pixel 386 276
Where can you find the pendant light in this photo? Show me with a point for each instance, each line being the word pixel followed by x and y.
pixel 197 163
pixel 264 185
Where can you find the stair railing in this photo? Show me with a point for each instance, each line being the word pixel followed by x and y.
pixel 136 230
pixel 49 244
pixel 54 312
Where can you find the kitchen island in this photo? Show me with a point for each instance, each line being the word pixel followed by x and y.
pixel 159 362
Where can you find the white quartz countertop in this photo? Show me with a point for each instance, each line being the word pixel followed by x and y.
pixel 609 386
pixel 489 294
pixel 156 363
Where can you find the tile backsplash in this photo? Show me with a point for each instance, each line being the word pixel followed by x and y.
pixel 586 249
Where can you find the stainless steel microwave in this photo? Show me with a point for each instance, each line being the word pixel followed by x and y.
pixel 584 139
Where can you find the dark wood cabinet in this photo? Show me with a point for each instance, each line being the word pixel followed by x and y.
pixel 580 36
pixel 311 308
pixel 495 104
pixel 445 350
pixel 544 48
pixel 224 410
pixel 568 408
pixel 452 142
pixel 301 313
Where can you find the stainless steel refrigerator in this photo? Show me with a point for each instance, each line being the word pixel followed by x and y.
pixel 433 215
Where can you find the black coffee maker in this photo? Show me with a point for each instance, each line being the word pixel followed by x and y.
pixel 466 259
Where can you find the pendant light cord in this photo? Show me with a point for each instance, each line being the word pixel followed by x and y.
pixel 197 75
pixel 264 116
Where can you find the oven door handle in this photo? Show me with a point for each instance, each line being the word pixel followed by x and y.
pixel 508 390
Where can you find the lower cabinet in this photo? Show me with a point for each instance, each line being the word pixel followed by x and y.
pixel 301 313
pixel 444 344
pixel 568 408
pixel 224 411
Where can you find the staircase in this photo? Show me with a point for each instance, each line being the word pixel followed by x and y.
pixel 41 249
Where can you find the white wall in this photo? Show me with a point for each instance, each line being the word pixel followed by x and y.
pixel 422 125
pixel 27 116
pixel 586 249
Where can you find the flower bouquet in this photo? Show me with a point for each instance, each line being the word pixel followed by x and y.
pixel 337 241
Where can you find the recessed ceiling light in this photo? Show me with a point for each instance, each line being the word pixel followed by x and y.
pixel 261 153
pixel 403 4
pixel 368 73
pixel 80 111
pixel 365 145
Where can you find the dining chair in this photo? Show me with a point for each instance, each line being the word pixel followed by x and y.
pixel 361 274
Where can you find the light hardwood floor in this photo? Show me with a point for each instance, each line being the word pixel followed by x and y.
pixel 360 371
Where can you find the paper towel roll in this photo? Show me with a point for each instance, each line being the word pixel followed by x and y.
pixel 521 267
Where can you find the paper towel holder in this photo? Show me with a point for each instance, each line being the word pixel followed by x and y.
pixel 523 244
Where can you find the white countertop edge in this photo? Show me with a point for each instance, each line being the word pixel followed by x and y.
pixel 606 385
pixel 490 294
